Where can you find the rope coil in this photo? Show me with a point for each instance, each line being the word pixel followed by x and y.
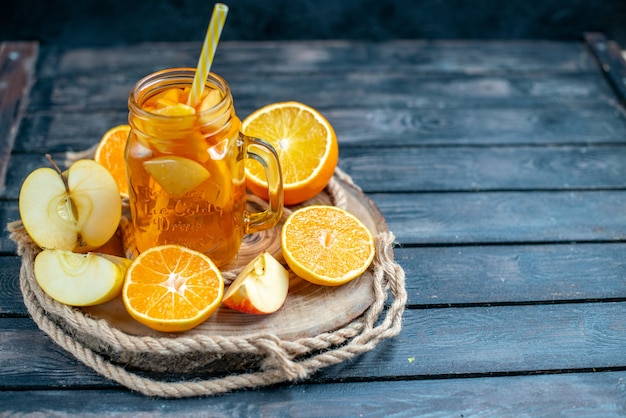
pixel 281 359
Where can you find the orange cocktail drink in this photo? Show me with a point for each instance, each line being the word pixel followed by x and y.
pixel 185 167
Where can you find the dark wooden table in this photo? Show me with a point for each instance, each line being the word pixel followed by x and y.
pixel 500 167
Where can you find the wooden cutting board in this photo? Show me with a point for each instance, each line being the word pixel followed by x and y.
pixel 309 309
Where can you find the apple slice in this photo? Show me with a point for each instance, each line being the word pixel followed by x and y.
pixel 77 210
pixel 80 279
pixel 260 288
pixel 175 109
pixel 210 100
pixel 176 175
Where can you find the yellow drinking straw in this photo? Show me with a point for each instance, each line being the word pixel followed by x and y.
pixel 208 52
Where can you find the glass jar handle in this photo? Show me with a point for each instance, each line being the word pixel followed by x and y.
pixel 265 154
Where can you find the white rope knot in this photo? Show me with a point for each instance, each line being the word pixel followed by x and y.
pixel 277 358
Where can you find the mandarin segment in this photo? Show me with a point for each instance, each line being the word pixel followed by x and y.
pixel 326 245
pixel 306 145
pixel 171 288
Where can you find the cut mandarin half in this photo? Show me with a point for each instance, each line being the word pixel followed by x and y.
pixel 110 154
pixel 306 145
pixel 326 245
pixel 171 288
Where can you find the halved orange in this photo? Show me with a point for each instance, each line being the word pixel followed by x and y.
pixel 171 288
pixel 110 154
pixel 306 145
pixel 326 245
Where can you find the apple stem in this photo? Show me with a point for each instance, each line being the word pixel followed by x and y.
pixel 58 169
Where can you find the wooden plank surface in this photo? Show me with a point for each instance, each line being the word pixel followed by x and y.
pixel 304 57
pixel 611 59
pixel 578 394
pixel 17 65
pixel 499 166
pixel 596 124
pixel 435 169
pixel 435 343
pixel 443 276
pixel 403 168
pixel 416 74
pixel 395 91
pixel 505 217
pixel 461 218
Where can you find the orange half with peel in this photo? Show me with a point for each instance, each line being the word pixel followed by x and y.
pixel 326 245
pixel 171 288
pixel 110 154
pixel 306 145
